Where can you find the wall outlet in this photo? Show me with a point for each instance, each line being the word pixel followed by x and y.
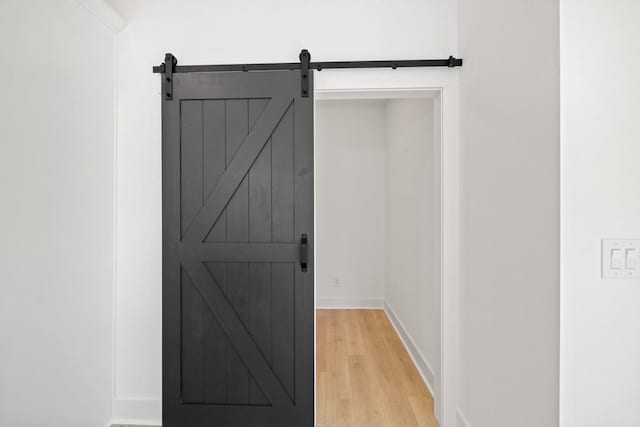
pixel 621 258
pixel 336 283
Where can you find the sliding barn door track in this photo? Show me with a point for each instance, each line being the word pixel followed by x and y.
pixel 170 66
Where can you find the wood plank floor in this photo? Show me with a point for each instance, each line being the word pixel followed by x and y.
pixel 364 375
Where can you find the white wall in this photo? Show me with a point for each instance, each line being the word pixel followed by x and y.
pixel 510 239
pixel 600 336
pixel 411 290
pixel 350 203
pixel 56 181
pixel 200 32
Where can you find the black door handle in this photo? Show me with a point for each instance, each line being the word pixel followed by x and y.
pixel 304 252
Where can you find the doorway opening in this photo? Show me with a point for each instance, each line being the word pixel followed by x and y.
pixel 378 249
pixel 239 228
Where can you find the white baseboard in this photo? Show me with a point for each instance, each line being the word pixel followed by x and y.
pixel 139 412
pixel 461 421
pixel 325 303
pixel 426 372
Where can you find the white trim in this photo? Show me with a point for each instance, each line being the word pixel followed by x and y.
pixel 105 14
pixel 114 267
pixel 461 420
pixel 421 362
pixel 315 261
pixel 346 303
pixel 438 239
pixel 137 411
pixel 450 250
pixel 359 94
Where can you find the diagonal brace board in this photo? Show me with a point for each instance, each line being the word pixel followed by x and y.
pixel 237 169
pixel 237 333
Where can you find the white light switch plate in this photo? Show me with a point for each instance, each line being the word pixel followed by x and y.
pixel 621 258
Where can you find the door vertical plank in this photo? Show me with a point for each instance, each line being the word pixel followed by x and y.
pixel 256 106
pixel 282 183
pixel 259 184
pixel 171 265
pixel 237 123
pixel 192 342
pixel 214 157
pixel 215 347
pixel 260 319
pixel 190 161
pixel 260 197
pixel 191 201
pixel 237 219
pixel 237 212
pixel 237 294
pixel 283 325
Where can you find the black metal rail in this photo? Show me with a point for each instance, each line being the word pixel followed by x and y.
pixel 451 62
pixel 304 65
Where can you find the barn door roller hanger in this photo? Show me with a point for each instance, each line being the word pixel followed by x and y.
pixel 170 66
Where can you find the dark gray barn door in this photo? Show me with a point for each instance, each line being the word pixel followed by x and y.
pixel 238 313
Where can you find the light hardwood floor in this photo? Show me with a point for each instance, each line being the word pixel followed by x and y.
pixel 364 375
